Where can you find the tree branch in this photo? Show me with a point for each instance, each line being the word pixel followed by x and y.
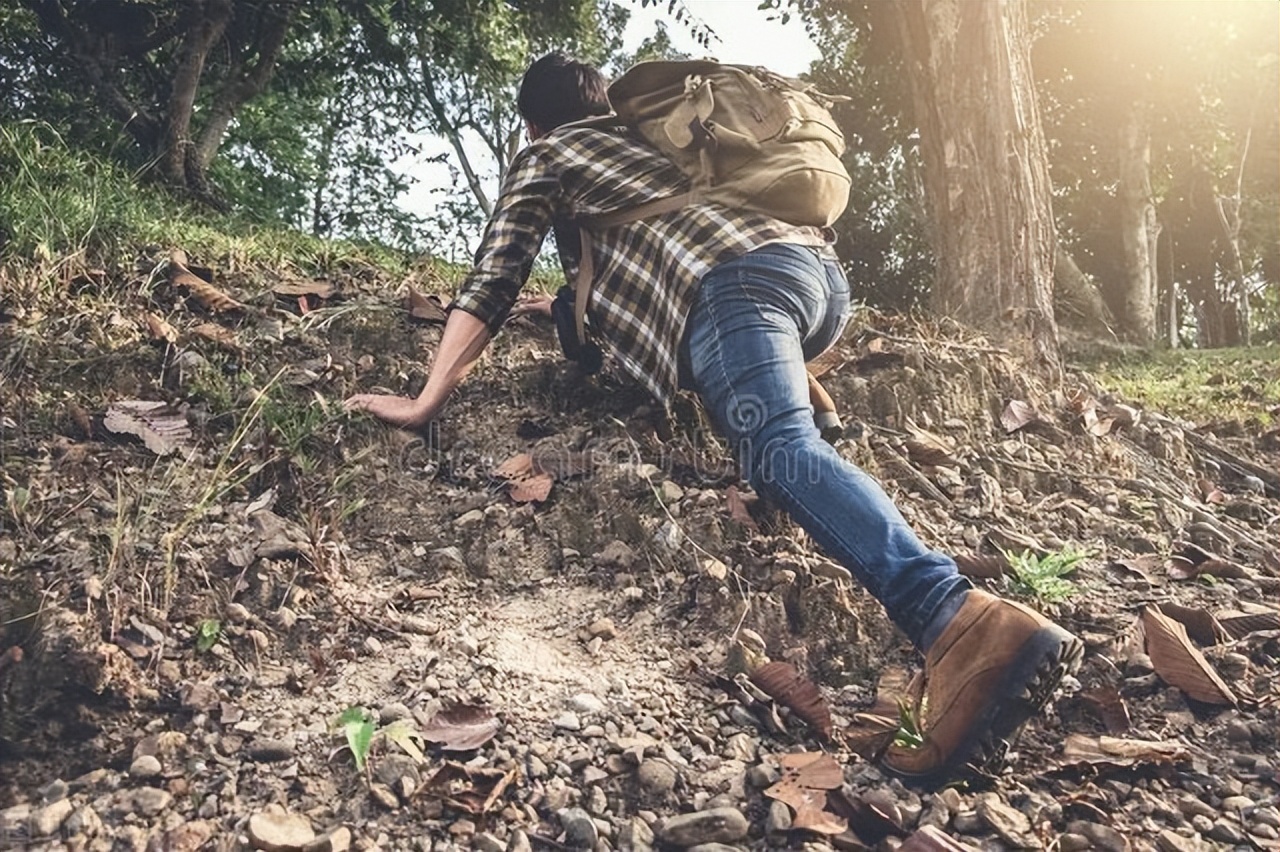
pixel 450 131
pixel 207 22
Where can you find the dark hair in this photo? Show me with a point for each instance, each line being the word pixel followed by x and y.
pixel 557 89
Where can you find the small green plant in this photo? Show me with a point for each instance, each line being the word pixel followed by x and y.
pixel 909 734
pixel 1044 577
pixel 357 726
pixel 207 634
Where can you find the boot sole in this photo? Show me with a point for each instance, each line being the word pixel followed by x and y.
pixel 1049 655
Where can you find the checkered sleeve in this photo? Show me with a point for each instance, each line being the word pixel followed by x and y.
pixel 521 219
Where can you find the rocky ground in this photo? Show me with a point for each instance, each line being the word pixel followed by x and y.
pixel 248 620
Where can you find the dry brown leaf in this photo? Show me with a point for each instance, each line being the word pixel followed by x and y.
pixel 986 566
pixel 872 815
pixel 1018 414
pixel 524 483
pixel 159 328
pixel 806 778
pixel 819 821
pixel 474 790
pixel 208 296
pixel 561 463
pixel 928 455
pixel 463 727
pixel 1138 567
pixel 1209 492
pixel 319 288
pixel 425 308
pixel 1110 706
pixel 1179 663
pixel 1113 751
pixel 791 689
pixel 1194 562
pixel 163 429
pixel 1200 624
pixel 1241 624
pixel 218 334
pixel 870 734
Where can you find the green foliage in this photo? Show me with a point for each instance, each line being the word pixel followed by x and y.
pixel 1044 577
pixel 208 632
pixel 1200 385
pixel 909 734
pixel 356 725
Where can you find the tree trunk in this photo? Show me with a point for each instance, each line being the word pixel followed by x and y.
pixel 1077 301
pixel 1139 228
pixel 177 156
pixel 985 169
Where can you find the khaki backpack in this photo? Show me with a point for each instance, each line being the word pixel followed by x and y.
pixel 747 138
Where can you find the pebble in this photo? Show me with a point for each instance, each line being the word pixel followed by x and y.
pixel 1236 803
pixel 568 721
pixel 271 750
pixel 602 628
pixel 1226 832
pixel 1070 842
pixel 1265 831
pixel 519 842
pixel 1267 816
pixel 1099 836
pixel 47 820
pixel 486 842
pixel 656 778
pixel 272 831
pixel 585 702
pixel 393 711
pixel 188 837
pixel 146 766
pixel 717 825
pixel 779 819
pixel 635 836
pixel 84 821
pixel 1202 823
pixel 150 801
pixel 53 791
pixel 1171 841
pixel 580 830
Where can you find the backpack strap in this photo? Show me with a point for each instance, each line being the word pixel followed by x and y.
pixel 586 268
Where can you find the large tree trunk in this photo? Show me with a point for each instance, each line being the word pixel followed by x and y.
pixel 985 168
pixel 178 158
pixel 1139 229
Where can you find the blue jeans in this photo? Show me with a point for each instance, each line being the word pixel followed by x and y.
pixel 757 319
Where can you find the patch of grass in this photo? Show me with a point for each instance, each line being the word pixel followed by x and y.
pixel 909 733
pixel 1200 385
pixel 1044 577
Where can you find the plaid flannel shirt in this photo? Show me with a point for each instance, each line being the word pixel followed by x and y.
pixel 645 273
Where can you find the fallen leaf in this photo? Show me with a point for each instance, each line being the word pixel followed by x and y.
pixel 1179 663
pixel 986 566
pixel 1241 624
pixel 1110 706
pixel 163 429
pixel 806 778
pixel 1113 751
pixel 523 482
pixel 425 308
pixel 872 815
pixel 208 296
pixel 319 288
pixel 159 328
pixel 403 733
pixel 474 790
pixel 1139 567
pixel 870 734
pixel 218 334
pixel 929 456
pixel 1200 624
pixel 791 689
pixel 819 821
pixel 464 727
pixel 1018 414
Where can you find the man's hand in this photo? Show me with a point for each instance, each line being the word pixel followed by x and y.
pixel 396 410
pixel 532 306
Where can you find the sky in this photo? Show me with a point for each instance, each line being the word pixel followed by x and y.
pixel 746 37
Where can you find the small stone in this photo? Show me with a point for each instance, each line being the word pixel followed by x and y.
pixel 1192 807
pixel 272 831
pixel 519 842
pixel 285 618
pixel 1008 822
pixel 1100 836
pixel 393 712
pixel 1238 731
pixel 337 840
pixel 83 822
pixel 1202 823
pixel 486 842
pixel 1265 831
pixel 271 750
pixel 1171 841
pixel 580 830
pixel 238 613
pixel 150 801
pixel 1069 842
pixel 968 822
pixel 372 645
pixel 146 766
pixel 53 791
pixel 779 819
pixel 188 837
pixel 384 796
pixel 763 775
pixel 467 646
pixel 1236 803
pixel 49 819
pixel 587 703
pixel 656 778
pixel 602 628
pixel 1226 832
pixel 717 825
pixel 1267 816
pixel 568 721
pixel 670 492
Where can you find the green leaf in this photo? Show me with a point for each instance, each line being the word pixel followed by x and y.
pixel 208 634
pixel 357 726
pixel 403 733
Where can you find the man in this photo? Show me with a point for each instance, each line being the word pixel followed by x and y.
pixel 733 303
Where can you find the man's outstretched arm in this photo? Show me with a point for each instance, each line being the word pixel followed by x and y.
pixel 464 339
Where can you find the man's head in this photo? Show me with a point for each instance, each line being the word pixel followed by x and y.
pixel 557 90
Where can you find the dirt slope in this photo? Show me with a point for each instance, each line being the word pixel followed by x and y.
pixel 179 632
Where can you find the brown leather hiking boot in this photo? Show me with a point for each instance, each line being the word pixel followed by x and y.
pixel 994 666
